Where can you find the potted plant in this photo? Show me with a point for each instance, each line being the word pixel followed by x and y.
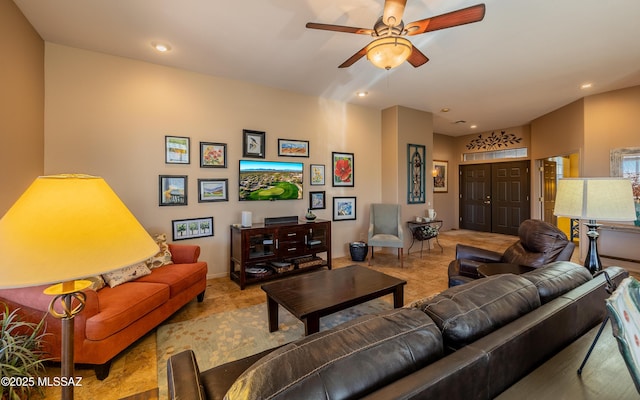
pixel 21 355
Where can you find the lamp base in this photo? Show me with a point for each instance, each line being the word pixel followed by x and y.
pixel 67 292
pixel 592 261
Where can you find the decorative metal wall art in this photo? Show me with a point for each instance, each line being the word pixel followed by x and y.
pixel 493 141
pixel 415 173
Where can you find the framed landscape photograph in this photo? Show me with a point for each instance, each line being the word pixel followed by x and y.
pixel 342 166
pixel 293 148
pixel 213 190
pixel 317 174
pixel 253 144
pixel 192 228
pixel 440 179
pixel 176 150
pixel 213 155
pixel 344 208
pixel 317 200
pixel 172 190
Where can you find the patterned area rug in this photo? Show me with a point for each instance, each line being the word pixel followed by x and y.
pixel 231 335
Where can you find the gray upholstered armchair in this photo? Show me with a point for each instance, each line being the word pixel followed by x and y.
pixel 385 228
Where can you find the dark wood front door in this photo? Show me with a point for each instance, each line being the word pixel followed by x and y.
pixel 510 196
pixel 495 197
pixel 475 197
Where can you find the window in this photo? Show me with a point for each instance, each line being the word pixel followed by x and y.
pixel 496 154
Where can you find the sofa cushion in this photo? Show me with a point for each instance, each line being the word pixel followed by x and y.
pixel 123 305
pixel 163 257
pixel 517 254
pixel 542 240
pixel 178 277
pixel 557 278
pixel 126 274
pixel 467 312
pixel 344 362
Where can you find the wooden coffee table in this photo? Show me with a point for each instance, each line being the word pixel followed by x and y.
pixel 317 294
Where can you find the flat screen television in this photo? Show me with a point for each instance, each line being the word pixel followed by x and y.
pixel 270 180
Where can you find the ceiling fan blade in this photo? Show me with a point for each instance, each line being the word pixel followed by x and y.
pixel 448 20
pixel 339 28
pixel 354 58
pixel 417 58
pixel 393 10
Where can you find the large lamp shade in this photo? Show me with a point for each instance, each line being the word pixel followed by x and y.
pixel 604 199
pixel 595 199
pixel 66 227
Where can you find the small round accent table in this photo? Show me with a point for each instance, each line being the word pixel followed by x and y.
pixel 502 268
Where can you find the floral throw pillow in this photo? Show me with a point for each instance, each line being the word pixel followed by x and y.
pixel 97 282
pixel 126 274
pixel 164 255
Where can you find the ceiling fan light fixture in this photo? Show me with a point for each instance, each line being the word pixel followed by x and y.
pixel 389 52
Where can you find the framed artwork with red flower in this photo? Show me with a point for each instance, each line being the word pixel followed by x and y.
pixel 342 169
pixel 213 155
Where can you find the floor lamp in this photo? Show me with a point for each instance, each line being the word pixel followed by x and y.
pixel 591 199
pixel 64 228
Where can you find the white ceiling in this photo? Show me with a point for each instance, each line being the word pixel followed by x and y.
pixel 525 59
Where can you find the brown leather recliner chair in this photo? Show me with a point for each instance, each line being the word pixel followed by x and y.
pixel 540 243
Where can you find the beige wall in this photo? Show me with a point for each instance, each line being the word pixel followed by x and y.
pixel 446 204
pixel 108 116
pixel 559 133
pixel 403 126
pixel 21 104
pixel 612 120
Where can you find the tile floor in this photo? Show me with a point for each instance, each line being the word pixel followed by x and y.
pixel 133 373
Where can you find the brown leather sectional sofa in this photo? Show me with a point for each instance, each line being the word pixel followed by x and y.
pixel 470 341
pixel 115 317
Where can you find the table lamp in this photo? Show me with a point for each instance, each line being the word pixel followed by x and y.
pixel 592 199
pixel 66 227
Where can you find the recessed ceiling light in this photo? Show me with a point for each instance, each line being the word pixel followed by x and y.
pixel 161 47
pixel 473 126
pixel 445 109
pixel 587 85
pixel 362 94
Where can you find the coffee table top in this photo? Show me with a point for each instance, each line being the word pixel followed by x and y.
pixel 325 290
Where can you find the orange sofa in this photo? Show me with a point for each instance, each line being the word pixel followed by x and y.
pixel 115 317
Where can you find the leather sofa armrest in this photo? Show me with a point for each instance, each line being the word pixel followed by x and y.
pixel 477 254
pixel 183 377
pixel 184 253
pixel 469 267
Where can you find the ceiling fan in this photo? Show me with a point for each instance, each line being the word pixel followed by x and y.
pixel 390 48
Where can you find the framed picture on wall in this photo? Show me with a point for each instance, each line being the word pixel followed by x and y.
pixel 253 144
pixel 192 228
pixel 172 190
pixel 440 179
pixel 344 208
pixel 317 200
pixel 213 190
pixel 317 174
pixel 213 155
pixel 293 148
pixel 176 150
pixel 342 164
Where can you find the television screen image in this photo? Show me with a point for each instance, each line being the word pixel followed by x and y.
pixel 270 180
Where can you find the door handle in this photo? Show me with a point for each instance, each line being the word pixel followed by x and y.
pixel 487 202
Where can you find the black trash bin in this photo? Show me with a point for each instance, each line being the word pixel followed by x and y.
pixel 358 251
